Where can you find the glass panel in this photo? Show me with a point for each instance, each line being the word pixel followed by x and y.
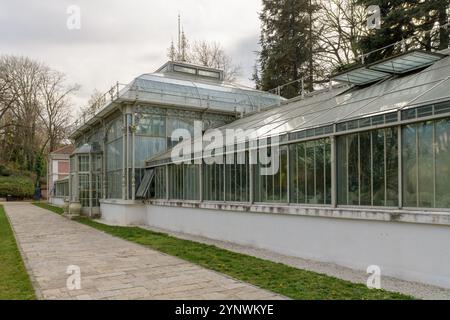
pixel 426 164
pixel 353 169
pixel 293 172
pixel 342 170
pixel 367 166
pixel 328 172
pixel 114 184
pixel 115 129
pixel 151 125
pixel 230 180
pixel 283 174
pixel 190 182
pixel 241 178
pixel 114 155
pixel 213 182
pixel 310 173
pixel 210 74
pixel 257 183
pixel 184 69
pixel 83 163
pixel 391 166
pixel 378 162
pixel 365 175
pixel 96 189
pixel 147 147
pixel 83 189
pixel 160 183
pixel 409 164
pixel 272 188
pixel 442 145
pixel 320 173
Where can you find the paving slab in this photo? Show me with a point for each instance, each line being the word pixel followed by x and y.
pixel 110 267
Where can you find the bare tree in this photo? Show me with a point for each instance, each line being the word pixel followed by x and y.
pixel 25 76
pixel 34 102
pixel 6 98
pixel 340 26
pixel 96 100
pixel 54 109
pixel 208 54
pixel 212 54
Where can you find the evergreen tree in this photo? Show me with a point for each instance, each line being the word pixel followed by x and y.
pixel 285 50
pixel 432 20
pixel 255 77
pixel 417 21
pixel 397 25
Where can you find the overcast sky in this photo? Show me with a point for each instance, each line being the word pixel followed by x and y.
pixel 121 39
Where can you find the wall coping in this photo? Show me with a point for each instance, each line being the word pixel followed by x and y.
pixel 373 214
pixel 121 202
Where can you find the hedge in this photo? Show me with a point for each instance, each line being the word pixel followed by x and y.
pixel 16 186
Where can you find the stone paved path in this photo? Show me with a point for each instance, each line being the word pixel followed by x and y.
pixel 111 268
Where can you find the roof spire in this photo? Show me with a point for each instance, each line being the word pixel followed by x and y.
pixel 179 33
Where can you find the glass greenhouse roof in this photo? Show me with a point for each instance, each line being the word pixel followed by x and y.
pixel 360 76
pixel 400 64
pixel 407 62
pixel 347 103
pixel 195 93
pixel 217 96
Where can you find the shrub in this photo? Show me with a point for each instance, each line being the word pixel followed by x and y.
pixel 11 169
pixel 16 186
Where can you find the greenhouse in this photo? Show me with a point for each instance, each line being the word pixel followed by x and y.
pixel 133 122
pixel 383 141
pixel 356 173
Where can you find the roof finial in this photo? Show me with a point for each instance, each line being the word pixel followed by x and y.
pixel 179 33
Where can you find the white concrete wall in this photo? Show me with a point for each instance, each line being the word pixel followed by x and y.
pixel 410 251
pixel 57 201
pixel 123 213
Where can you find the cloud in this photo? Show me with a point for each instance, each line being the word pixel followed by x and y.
pixel 121 39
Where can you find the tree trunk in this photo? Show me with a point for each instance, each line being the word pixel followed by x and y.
pixel 443 32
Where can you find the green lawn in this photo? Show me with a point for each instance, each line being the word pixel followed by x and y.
pixel 288 281
pixel 14 280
